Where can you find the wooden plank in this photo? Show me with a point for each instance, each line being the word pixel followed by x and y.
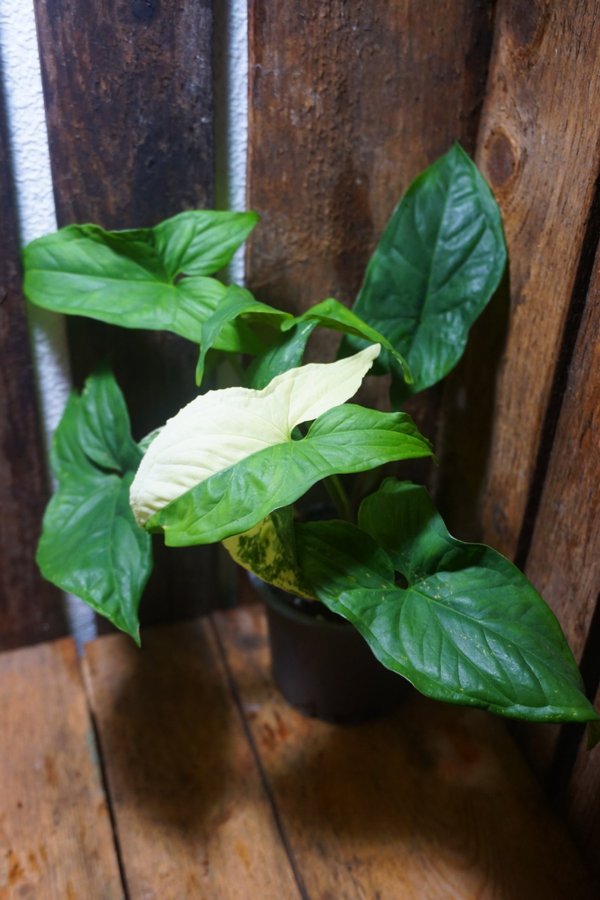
pixel 349 101
pixel 55 835
pixel 540 498
pixel 564 559
pixel 539 146
pixel 582 806
pixel 30 609
pixel 129 101
pixel 432 801
pixel 129 106
pixel 191 813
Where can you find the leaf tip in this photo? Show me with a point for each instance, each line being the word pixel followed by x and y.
pixel 199 371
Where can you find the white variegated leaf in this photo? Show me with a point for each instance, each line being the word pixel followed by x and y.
pixel 223 427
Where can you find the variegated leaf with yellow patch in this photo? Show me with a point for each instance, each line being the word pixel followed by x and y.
pixel 268 550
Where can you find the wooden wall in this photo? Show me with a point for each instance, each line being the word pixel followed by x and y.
pixel 348 101
pixel 129 101
pixel 29 606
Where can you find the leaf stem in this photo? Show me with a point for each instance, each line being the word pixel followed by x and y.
pixel 340 498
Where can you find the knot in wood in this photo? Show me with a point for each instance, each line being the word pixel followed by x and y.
pixel 501 158
pixel 526 22
pixel 144 10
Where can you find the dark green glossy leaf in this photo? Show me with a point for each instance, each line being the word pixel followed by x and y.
pixel 345 439
pixel 468 628
pixel 90 543
pixel 237 302
pixel 103 431
pixel 154 278
pixel 438 263
pixel 280 358
pixel 332 314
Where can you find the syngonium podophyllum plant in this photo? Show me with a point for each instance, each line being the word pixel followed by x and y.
pixel 457 620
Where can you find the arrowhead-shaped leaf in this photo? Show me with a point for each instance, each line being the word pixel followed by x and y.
pixel 345 439
pixel 91 545
pixel 220 428
pixel 468 628
pixel 154 278
pixel 438 263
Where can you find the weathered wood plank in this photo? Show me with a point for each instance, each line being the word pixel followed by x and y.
pixel 30 609
pixel 582 806
pixel 564 558
pixel 55 834
pixel 539 146
pixel 348 103
pixel 432 801
pixel 129 99
pixel 129 106
pixel 191 813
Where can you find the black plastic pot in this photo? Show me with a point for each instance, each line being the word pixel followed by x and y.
pixel 321 664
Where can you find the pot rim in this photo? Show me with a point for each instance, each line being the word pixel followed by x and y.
pixel 272 597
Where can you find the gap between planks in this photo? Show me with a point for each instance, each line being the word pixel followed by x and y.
pixel 55 832
pixel 430 802
pixel 191 813
pixel 261 769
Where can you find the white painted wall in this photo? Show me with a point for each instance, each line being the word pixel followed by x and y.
pixel 31 165
pixel 231 112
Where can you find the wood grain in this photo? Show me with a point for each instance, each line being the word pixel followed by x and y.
pixel 55 835
pixel 582 806
pixel 564 559
pixel 191 813
pixel 432 801
pixel 349 101
pixel 539 146
pixel 129 98
pixel 30 608
pixel 129 102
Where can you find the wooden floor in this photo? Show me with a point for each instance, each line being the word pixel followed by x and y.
pixel 178 772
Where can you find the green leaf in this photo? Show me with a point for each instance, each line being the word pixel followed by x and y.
pixel 201 242
pixel 236 302
pixel 153 278
pixel 269 550
pixel 91 545
pixel 280 358
pixel 332 314
pixel 104 432
pixel 438 263
pixel 345 439
pixel 468 628
pixel 218 429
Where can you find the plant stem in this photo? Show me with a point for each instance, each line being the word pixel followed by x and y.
pixel 340 498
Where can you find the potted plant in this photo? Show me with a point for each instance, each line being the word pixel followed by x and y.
pixel 456 620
